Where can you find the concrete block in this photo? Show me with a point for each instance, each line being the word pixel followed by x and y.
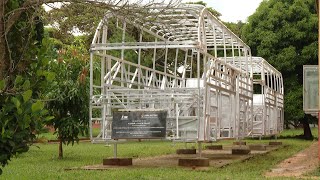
pixel 186 151
pixel 214 147
pixel 275 143
pixel 190 162
pixel 258 147
pixel 118 161
pixel 240 143
pixel 240 151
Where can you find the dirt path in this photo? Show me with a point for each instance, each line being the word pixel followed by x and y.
pixel 297 165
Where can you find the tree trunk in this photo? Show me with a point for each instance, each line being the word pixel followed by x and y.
pixel 60 149
pixel 306 129
pixel 3 49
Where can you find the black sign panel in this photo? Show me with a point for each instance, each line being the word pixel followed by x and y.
pixel 139 124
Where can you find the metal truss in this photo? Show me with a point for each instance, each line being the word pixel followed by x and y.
pixel 177 60
pixel 268 113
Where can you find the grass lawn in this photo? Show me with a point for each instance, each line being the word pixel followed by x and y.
pixel 41 162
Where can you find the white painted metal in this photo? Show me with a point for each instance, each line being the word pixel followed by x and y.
pixel 268 114
pixel 177 61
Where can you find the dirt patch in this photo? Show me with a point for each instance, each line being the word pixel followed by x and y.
pixel 297 165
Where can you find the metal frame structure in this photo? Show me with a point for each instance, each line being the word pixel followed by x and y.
pixel 182 60
pixel 268 112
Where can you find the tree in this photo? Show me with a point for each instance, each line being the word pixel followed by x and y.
pixel 68 95
pixel 15 15
pixel 75 18
pixel 21 112
pixel 210 9
pixel 235 27
pixel 285 33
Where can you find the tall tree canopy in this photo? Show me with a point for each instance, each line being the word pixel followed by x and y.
pixel 285 33
pixel 17 16
pixel 212 11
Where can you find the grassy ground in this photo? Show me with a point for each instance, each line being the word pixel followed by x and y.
pixel 41 161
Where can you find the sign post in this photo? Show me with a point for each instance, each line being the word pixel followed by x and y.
pixel 135 124
pixel 139 124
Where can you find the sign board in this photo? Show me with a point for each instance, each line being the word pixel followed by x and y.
pixel 139 124
pixel 310 89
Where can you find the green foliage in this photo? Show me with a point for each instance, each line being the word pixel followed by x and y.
pixel 75 18
pixel 235 27
pixel 24 37
pixel 68 94
pixel 21 118
pixel 285 33
pixel 210 9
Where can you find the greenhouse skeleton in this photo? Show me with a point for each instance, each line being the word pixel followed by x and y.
pixel 183 61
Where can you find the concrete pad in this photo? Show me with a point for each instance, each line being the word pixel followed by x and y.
pixel 190 162
pixel 118 161
pixel 258 147
pixel 240 151
pixel 186 151
pixel 275 143
pixel 240 143
pixel 214 147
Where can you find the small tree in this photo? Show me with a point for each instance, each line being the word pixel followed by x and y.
pixel 69 94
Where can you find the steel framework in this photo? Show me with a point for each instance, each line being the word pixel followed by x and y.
pixel 182 60
pixel 268 114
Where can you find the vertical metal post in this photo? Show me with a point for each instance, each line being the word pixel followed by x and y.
pixel 166 61
pixel 191 66
pixel 154 56
pixel 263 92
pixel 177 120
pixel 185 68
pixel 139 63
pixel 115 150
pixel 215 42
pixel 91 94
pixel 200 130
pixel 224 47
pixel 237 101
pixel 175 69
pixel 102 82
pixel 240 58
pixel 200 148
pixel 232 48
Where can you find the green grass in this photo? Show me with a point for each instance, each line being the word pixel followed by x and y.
pixel 295 132
pixel 41 162
pixel 52 136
